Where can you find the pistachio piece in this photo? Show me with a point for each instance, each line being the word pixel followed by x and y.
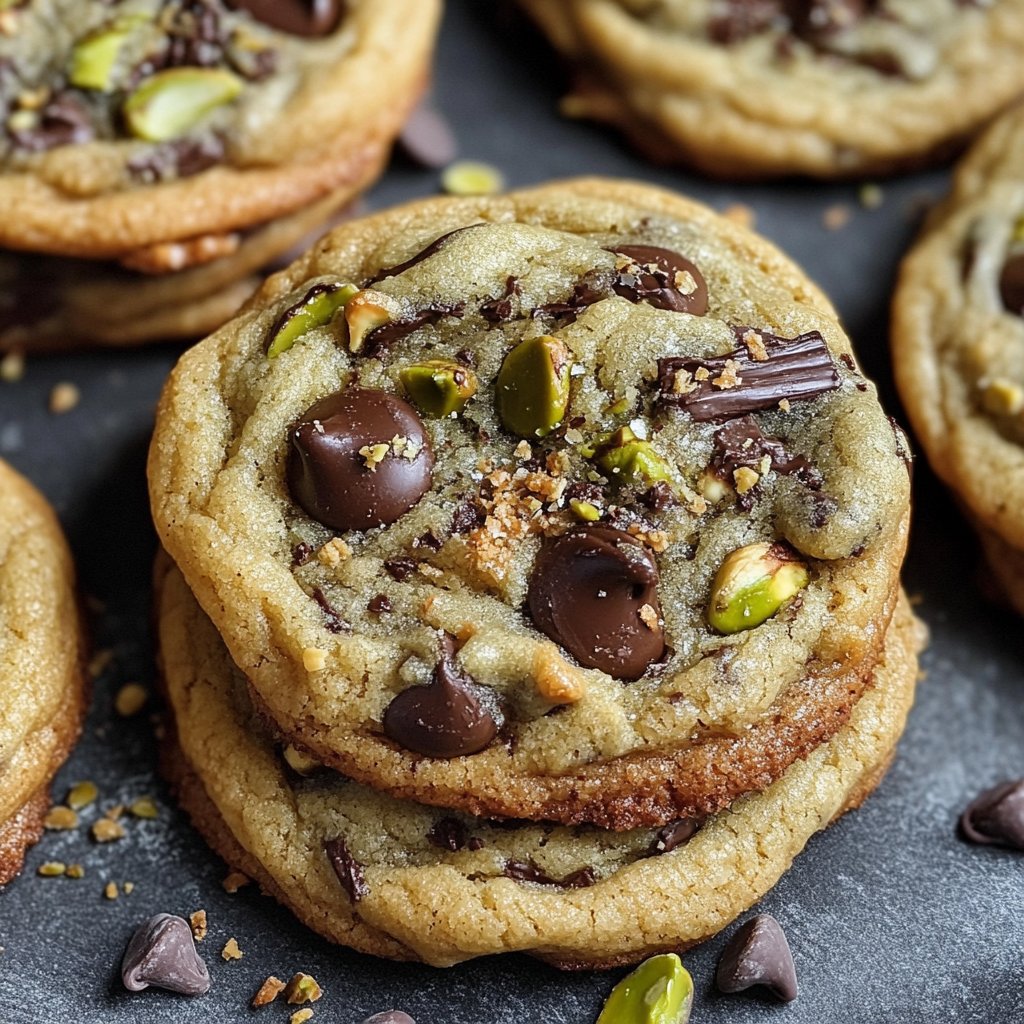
pixel 316 309
pixel 752 584
pixel 94 58
pixel 364 313
pixel 472 178
pixel 168 104
pixel 585 511
pixel 659 991
pixel 532 391
pixel 626 457
pixel 438 387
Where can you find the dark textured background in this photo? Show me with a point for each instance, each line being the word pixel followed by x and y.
pixel 891 918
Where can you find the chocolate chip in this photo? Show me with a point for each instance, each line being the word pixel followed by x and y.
pixel 468 515
pixel 378 341
pixel 428 540
pixel 498 310
pixel 594 592
pixel 400 569
pixel 449 717
pixel 301 553
pixel 64 121
pixel 662 278
pixel 296 17
pixel 435 246
pixel 658 497
pixel 448 834
pixel 333 469
pixel 758 954
pixel 332 620
pixel 736 20
pixel 427 138
pixel 823 508
pixel 347 868
pixel 179 159
pixel 996 816
pixel 527 871
pixel 813 19
pixel 796 369
pixel 380 604
pixel 162 954
pixel 390 1017
pixel 1011 284
pixel 674 835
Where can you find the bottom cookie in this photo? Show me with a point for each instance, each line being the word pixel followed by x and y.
pixel 406 881
pixel 1006 564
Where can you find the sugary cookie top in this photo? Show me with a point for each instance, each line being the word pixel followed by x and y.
pixel 182 85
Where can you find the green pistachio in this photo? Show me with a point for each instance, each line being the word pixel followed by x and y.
pixel 624 456
pixel 94 58
pixel 659 991
pixel 585 511
pixel 438 387
pixel 752 584
pixel 532 392
pixel 172 102
pixel 317 309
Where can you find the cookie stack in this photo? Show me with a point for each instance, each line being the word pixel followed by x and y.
pixel 42 655
pixel 533 579
pixel 160 153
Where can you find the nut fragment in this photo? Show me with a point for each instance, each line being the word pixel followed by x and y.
pixel 64 397
pixel 472 178
pixel 556 680
pixel 302 989
pixel 197 921
pixel 300 1016
pixel 532 389
pixel 364 313
pixel 659 991
pixel 81 795
pixel 752 584
pixel 144 807
pixel 106 830
pixel 171 102
pixel 94 58
pixel 314 659
pixel 268 992
pixel 299 762
pixel 234 881
pixel 51 869
pixel 438 387
pixel 316 309
pixel 231 950
pixel 630 459
pixel 60 818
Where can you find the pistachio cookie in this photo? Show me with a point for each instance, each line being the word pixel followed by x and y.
pixel 567 505
pixel 406 881
pixel 42 688
pixel 958 343
pixel 748 88
pixel 137 123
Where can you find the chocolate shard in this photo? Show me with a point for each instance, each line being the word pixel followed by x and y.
pixel 448 834
pixel 996 817
pixel 741 443
pixel 379 340
pixel 527 871
pixel 674 835
pixel 347 868
pixel 724 387
pixel 162 954
pixel 332 620
pixel 758 954
pixel 424 254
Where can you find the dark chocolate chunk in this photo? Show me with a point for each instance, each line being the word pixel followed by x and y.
pixel 758 954
pixel 423 254
pixel 527 871
pixel 400 569
pixel 429 540
pixel 390 1017
pixel 379 340
pixel 741 443
pixel 661 278
pixel 823 508
pixel 162 954
pixel 379 604
pixel 659 496
pixel 797 369
pixel 732 21
pixel 179 159
pixel 332 469
pixel 674 835
pixel 347 868
pixel 594 592
pixel 499 309
pixel 332 620
pixel 449 717
pixel 296 17
pixel 996 817
pixel 448 834
pixel 301 553
pixel 468 515
pixel 64 121
pixel 427 138
pixel 1011 284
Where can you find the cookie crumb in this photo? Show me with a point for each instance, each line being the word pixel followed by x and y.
pixel 784 405
pixel 729 377
pixel 333 553
pixel 128 888
pixel 130 700
pixel 836 217
pixel 755 346
pixel 12 367
pixel 110 891
pixel 268 992
pixel 300 1016
pixel 649 616
pixel 746 479
pixel 231 950
pixel 556 680
pixel 235 881
pixel 144 807
pixel 197 921
pixel 107 830
pixel 51 869
pixel 60 819
pixel 740 213
pixel 64 397
pixel 75 871
pixel 302 989
pixel 81 795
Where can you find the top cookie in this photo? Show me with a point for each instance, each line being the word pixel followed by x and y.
pixel 593 463
pixel 759 87
pixel 143 121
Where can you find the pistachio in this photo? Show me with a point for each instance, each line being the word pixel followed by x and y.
pixel 300 762
pixel 170 103
pixel 629 458
pixel 752 584
pixel 659 991
pixel 438 387
pixel 94 58
pixel 364 313
pixel 472 178
pixel 532 391
pixel 316 309
pixel 584 511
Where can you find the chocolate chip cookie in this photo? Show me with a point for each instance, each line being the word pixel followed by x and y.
pixel 751 88
pixel 406 881
pixel 958 343
pixel 42 689
pixel 568 505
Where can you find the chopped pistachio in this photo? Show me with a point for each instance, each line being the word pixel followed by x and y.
pixel 106 830
pixel 316 309
pixel 628 458
pixel 585 511
pixel 81 795
pixel 144 807
pixel 532 389
pixel 438 387
pixel 130 700
pixel 51 869
pixel 302 989
pixel 75 871
pixel 60 818
pixel 659 991
pixel 172 102
pixel 472 178
pixel 752 584
pixel 94 58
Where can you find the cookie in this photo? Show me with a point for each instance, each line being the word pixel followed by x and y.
pixel 752 88
pixel 42 688
pixel 53 302
pixel 567 505
pixel 958 342
pixel 406 881
pixel 137 125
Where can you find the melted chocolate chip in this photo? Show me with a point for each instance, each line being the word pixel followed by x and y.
pixel 64 121
pixel 584 294
pixel 591 591
pixel 662 278
pixel 448 834
pixel 301 553
pixel 347 868
pixel 996 817
pixel 162 954
pixel 380 604
pixel 797 369
pixel 428 540
pixel 179 159
pixel 758 954
pixel 449 717
pixel 332 620
pixel 741 443
pixel 333 472
pixel 674 835
pixel 527 871
pixel 400 569
pixel 423 254
pixel 499 309
pixel 1011 284
pixel 378 341
pixel 658 497
pixel 468 515
pixel 296 17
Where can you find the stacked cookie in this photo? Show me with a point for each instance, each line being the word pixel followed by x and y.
pixel 160 153
pixel 42 653
pixel 536 577
pixel 958 344
pixel 749 88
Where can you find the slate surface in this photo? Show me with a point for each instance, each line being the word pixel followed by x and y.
pixel 891 918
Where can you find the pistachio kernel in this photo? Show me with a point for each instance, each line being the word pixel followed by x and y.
pixel 438 387
pixel 626 457
pixel 94 58
pixel 472 178
pixel 364 313
pixel 659 991
pixel 299 762
pixel 170 103
pixel 315 309
pixel 81 795
pixel 532 389
pixel 752 584
pixel 584 511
